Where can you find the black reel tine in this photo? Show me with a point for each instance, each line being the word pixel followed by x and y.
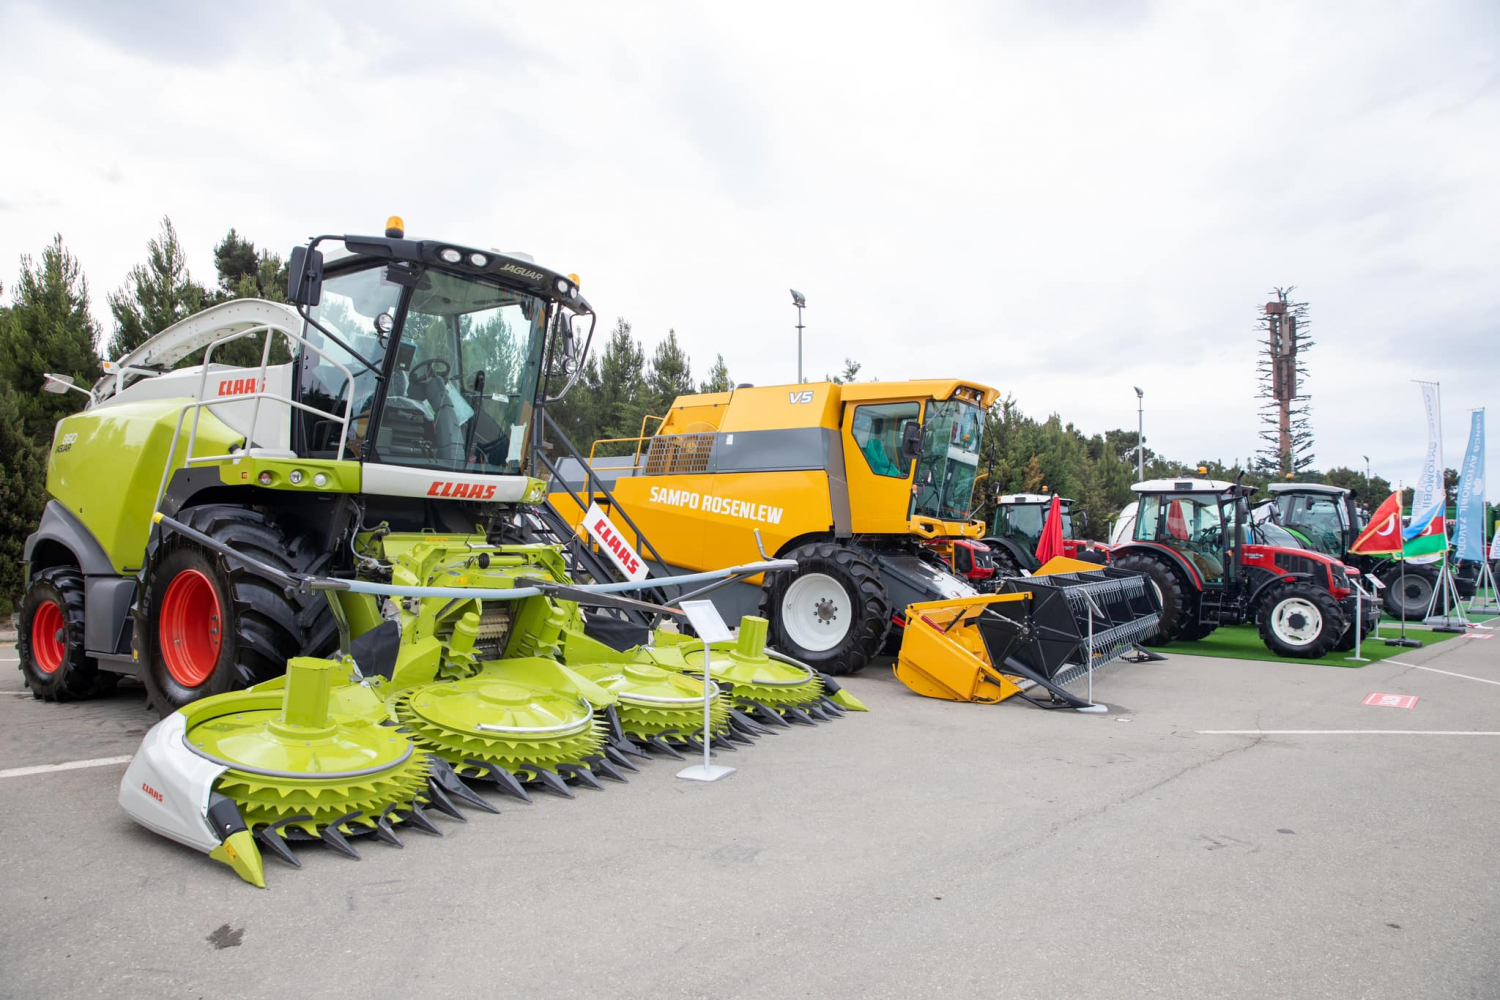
pixel 502 779
pixel 657 743
pixel 548 779
pixel 601 765
pixel 830 706
pixel 417 817
pixel 384 831
pixel 770 715
pixel 271 837
pixel 627 746
pixel 747 724
pixel 442 803
pixel 797 715
pixel 331 836
pixel 618 756
pixel 454 785
pixel 582 774
pixel 720 743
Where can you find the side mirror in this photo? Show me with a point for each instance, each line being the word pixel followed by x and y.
pixel 57 384
pixel 911 441
pixel 304 282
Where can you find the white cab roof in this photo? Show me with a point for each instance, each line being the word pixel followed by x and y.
pixel 1030 498
pixel 1182 486
pixel 1307 488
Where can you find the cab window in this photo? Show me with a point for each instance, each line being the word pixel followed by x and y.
pixel 877 432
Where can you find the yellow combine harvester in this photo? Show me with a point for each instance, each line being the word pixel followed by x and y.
pixel 866 486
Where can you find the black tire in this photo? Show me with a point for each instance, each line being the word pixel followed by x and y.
pixel 1346 641
pixel 869 617
pixel 55 666
pixel 1006 567
pixel 1179 599
pixel 1330 628
pixel 1420 583
pixel 259 626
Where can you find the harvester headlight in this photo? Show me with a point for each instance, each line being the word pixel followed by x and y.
pixel 321 479
pixel 296 477
pixel 562 285
pixel 265 479
pixel 478 259
pixel 451 255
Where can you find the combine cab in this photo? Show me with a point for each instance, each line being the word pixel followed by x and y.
pixel 1193 539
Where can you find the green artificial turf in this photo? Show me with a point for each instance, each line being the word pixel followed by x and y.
pixel 1242 642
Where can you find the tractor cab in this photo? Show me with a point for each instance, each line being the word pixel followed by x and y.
pixel 1015 530
pixel 1323 517
pixel 1195 518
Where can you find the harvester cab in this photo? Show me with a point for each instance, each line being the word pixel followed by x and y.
pixel 1015 530
pixel 394 393
pixel 1328 519
pixel 1196 542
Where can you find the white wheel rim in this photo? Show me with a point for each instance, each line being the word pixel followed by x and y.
pixel 816 612
pixel 1297 622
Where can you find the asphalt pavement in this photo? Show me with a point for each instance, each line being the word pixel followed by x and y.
pixel 923 849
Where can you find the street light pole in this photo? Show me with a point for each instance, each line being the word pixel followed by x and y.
pixel 1140 435
pixel 1367 469
pixel 800 301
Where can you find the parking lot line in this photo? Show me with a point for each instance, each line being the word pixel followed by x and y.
pixel 71 765
pixel 1347 732
pixel 1435 670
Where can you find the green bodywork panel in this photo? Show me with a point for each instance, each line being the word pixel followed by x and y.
pixel 106 468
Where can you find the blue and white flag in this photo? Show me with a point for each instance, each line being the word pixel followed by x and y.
pixel 1428 497
pixel 1469 543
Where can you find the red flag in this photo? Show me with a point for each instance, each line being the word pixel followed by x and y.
pixel 1051 544
pixel 1383 534
pixel 1176 523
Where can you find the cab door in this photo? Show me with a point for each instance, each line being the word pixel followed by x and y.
pixel 879 478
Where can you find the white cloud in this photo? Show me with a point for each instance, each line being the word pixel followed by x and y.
pixel 1062 200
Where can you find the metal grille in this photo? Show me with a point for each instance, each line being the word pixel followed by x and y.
pixel 494 630
pixel 677 453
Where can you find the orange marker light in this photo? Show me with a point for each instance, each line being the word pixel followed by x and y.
pixel 395 228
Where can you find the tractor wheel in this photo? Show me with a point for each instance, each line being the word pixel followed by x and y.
pixel 1412 595
pixel 50 639
pixel 205 624
pixel 832 614
pixel 1006 567
pixel 1179 599
pixel 1300 620
pixel 1346 641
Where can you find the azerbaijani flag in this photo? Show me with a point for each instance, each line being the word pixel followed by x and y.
pixel 1428 532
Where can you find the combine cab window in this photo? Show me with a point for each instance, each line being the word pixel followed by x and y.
pixel 950 459
pixel 877 431
pixel 1192 525
pixel 348 308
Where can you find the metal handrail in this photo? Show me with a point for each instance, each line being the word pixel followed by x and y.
pixel 197 405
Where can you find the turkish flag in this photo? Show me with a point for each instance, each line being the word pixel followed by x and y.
pixel 1176 523
pixel 1383 534
pixel 1051 544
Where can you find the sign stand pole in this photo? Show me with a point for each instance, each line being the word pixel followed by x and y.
pixel 1359 624
pixel 705 620
pixel 1091 706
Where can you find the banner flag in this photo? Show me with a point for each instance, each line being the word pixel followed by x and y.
pixel 1382 536
pixel 1428 496
pixel 1470 539
pixel 1495 546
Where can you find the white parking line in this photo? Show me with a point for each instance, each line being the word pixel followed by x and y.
pixel 1435 670
pixel 72 765
pixel 1346 732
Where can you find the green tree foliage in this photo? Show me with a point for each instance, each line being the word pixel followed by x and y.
pixel 245 273
pixel 22 491
pixel 669 375
pixel 849 374
pixel 718 377
pixel 48 329
pixel 156 294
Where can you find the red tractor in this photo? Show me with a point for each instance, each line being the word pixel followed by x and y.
pixel 1193 540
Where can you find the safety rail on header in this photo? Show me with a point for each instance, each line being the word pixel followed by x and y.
pixel 249 450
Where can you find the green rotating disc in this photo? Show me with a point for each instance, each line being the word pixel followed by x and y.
pixel 653 700
pixel 761 679
pixel 519 727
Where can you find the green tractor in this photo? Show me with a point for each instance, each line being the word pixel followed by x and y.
pixel 1016 530
pixel 332 576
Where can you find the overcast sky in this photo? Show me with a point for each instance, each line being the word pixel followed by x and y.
pixel 1062 198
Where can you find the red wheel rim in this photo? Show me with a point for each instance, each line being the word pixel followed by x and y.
pixel 46 648
pixel 189 632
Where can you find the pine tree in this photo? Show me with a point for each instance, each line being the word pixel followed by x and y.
pixel 622 399
pixel 849 374
pixel 670 375
pixel 48 329
pixel 718 377
pixel 22 491
pixel 245 272
pixel 157 293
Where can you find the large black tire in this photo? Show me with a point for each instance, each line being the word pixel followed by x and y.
pixel 1179 599
pixel 1417 595
pixel 229 626
pixel 1300 620
pixel 1006 567
pixel 53 661
pixel 1346 641
pixel 857 622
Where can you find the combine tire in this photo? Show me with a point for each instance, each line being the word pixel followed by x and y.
pixel 205 624
pixel 1414 594
pixel 50 640
pixel 832 614
pixel 1300 620
pixel 1179 612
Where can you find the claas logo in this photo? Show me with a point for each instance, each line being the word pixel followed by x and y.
pixel 629 561
pixel 238 387
pixel 461 491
